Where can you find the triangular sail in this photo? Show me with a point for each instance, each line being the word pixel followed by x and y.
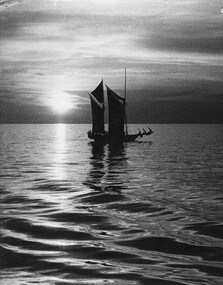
pixel 97 107
pixel 116 108
pixel 117 122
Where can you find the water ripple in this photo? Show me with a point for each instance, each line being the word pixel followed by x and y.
pixel 147 212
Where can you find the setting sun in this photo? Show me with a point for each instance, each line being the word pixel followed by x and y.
pixel 60 104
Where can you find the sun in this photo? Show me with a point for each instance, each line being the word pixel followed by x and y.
pixel 60 106
pixel 60 103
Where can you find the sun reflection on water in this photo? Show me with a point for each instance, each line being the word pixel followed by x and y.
pixel 59 158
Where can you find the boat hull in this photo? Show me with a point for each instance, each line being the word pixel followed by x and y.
pixel 106 138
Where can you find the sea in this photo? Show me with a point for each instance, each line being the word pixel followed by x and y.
pixel 144 212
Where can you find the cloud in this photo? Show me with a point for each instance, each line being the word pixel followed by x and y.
pixel 4 4
pixel 65 52
pixel 190 34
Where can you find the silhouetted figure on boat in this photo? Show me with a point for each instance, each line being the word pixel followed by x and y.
pixel 149 132
pixel 145 133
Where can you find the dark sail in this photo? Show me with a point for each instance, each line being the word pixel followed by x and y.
pixel 116 108
pixel 97 106
pixel 117 122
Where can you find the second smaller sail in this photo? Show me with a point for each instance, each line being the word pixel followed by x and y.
pixel 116 109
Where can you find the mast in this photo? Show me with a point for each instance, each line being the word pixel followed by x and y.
pixel 125 83
pixel 126 125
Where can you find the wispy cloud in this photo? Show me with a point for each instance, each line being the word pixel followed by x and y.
pixel 202 35
pixel 4 4
pixel 61 48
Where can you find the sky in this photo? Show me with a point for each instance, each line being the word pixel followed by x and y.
pixel 53 52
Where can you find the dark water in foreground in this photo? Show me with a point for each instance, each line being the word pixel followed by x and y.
pixel 147 212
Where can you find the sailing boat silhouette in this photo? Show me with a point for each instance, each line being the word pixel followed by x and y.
pixel 117 120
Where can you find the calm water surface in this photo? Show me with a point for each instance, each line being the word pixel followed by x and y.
pixel 147 212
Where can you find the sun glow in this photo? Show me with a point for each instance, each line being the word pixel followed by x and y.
pixel 58 169
pixel 60 104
